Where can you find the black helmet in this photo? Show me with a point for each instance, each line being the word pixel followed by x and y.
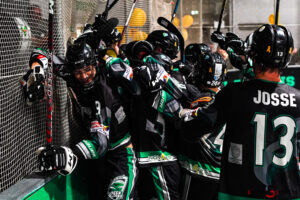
pixel 166 40
pixel 211 71
pixel 164 61
pixel 139 49
pixel 194 52
pixel 80 55
pixel 271 45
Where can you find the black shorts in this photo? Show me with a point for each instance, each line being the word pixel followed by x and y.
pixel 159 181
pixel 113 176
pixel 202 188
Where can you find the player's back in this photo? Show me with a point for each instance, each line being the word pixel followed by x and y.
pixel 260 153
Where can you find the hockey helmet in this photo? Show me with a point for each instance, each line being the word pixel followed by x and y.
pixel 211 71
pixel 194 52
pixel 80 55
pixel 139 49
pixel 271 46
pixel 167 41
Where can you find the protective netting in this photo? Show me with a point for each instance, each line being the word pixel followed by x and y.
pixel 24 26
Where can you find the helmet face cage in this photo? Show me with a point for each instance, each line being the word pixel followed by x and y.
pixel 212 70
pixel 167 41
pixel 272 46
pixel 194 54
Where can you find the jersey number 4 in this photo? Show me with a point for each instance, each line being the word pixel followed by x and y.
pixel 285 139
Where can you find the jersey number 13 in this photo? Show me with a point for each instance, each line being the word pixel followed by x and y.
pixel 285 139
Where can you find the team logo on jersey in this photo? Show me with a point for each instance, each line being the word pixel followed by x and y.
pixel 117 187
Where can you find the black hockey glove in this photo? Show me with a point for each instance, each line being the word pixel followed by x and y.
pixel 219 38
pixel 33 84
pixel 235 43
pixel 56 158
pixel 184 68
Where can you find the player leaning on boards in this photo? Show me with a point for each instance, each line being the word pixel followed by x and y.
pixel 106 121
pixel 259 158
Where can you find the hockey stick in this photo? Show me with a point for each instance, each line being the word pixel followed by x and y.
pixel 108 7
pixel 172 28
pixel 221 16
pixel 277 12
pixel 127 22
pixel 175 10
pixel 50 75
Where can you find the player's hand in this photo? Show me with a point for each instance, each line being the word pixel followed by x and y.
pixel 235 43
pixel 56 158
pixel 188 114
pixel 219 38
pixel 39 55
pixel 33 84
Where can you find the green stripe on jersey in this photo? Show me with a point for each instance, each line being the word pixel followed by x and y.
pixel 196 165
pixel 120 142
pixel 90 146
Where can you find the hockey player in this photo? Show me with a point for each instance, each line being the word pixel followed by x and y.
pixel 159 172
pixel 105 118
pixel 259 159
pixel 200 157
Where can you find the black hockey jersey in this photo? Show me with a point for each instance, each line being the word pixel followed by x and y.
pixel 259 159
pixel 103 104
pixel 201 156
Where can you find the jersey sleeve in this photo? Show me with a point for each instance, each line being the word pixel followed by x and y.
pixel 166 104
pixel 122 73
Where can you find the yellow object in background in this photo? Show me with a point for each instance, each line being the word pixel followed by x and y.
pixel 176 22
pixel 272 19
pixel 138 35
pixel 185 34
pixel 187 21
pixel 138 18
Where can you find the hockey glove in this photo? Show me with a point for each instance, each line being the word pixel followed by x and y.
pixel 219 38
pixel 143 72
pixel 188 114
pixel 235 43
pixel 41 56
pixel 57 158
pixel 33 83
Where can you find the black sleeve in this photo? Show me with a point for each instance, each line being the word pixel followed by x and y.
pixel 208 118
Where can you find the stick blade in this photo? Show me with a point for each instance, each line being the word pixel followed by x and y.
pixel 172 28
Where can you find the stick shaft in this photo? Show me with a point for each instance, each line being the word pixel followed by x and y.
pixel 277 12
pixel 127 22
pixel 50 75
pixel 175 10
pixel 221 15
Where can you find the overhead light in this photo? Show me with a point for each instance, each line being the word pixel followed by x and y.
pixel 194 12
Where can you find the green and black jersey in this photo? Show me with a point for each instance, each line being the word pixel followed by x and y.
pixel 260 152
pixel 103 104
pixel 201 155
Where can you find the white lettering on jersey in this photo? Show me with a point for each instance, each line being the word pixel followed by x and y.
pixel 283 99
